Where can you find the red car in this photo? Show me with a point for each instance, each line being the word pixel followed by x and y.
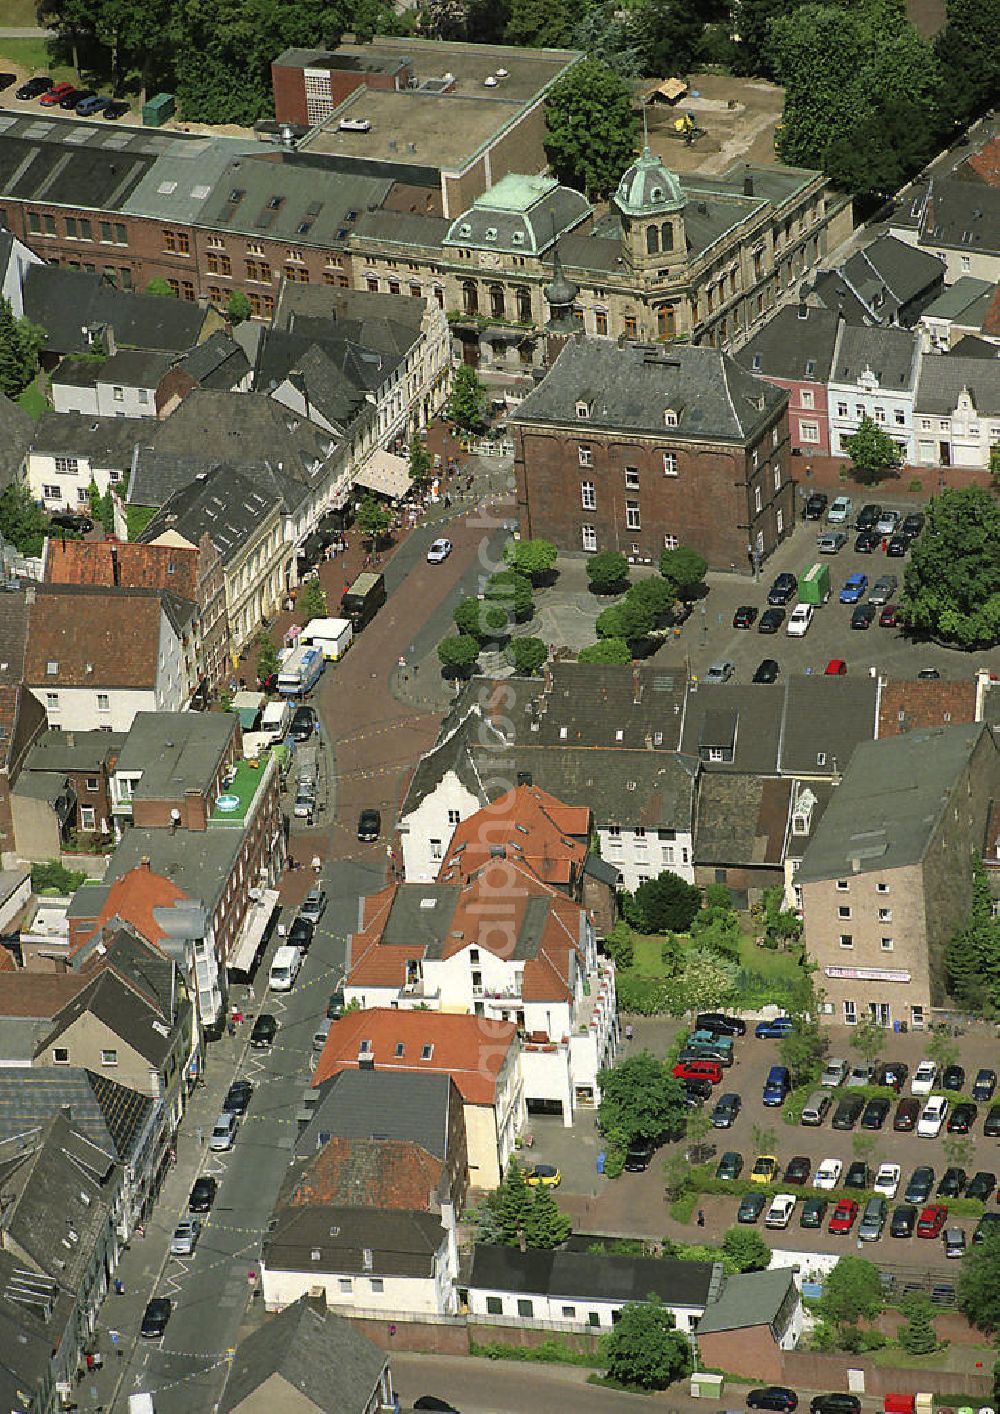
pixel 699 1070
pixel 836 668
pixel 932 1220
pixel 889 617
pixel 54 95
pixel 745 616
pixel 844 1215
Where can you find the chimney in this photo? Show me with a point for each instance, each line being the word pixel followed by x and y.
pixel 316 1298
pixel 855 865
pixel 116 577
pixel 747 180
pixel 67 1113
pixel 636 687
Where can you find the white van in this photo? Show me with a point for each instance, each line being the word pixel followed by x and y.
pixel 285 969
pixel 276 719
pixel 141 1404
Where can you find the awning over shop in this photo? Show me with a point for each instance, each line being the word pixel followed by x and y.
pixel 252 934
pixel 386 474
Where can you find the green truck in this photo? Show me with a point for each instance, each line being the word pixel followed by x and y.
pixel 814 585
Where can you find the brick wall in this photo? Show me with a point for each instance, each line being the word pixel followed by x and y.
pixel 823 474
pixel 288 85
pixel 805 1370
pixel 745 1352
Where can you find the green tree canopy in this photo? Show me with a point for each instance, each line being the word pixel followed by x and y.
pixel 874 453
pixel 607 571
pixel 459 653
pixel 312 601
pixel 868 1039
pixel 480 618
pixel 158 286
pixel 968 50
pixel 609 650
pixel 918 1336
pixel 515 1203
pixel 745 1250
pixel 656 595
pixel 21 342
pixel 979 1283
pixel 684 568
pixel 852 1290
pixel 527 655
pixel 535 559
pixel 644 1348
pixel 545 1226
pixel 952 582
pixel 972 956
pixel 238 307
pixel 22 523
pixel 753 48
pixel 268 661
pixel 707 981
pixel 602 33
pixel 803 1050
pixel 374 519
pixel 641 1099
pixel 664 904
pixel 591 133
pixel 512 592
pixel 541 24
pixel 420 461
pixel 465 402
pixel 669 36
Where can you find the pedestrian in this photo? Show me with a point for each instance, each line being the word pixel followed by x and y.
pixel 317 865
pixel 199 1134
pixel 628 1032
pixel 701 1217
pixel 119 1287
pixel 231 1027
pixel 115 1337
pixel 402 664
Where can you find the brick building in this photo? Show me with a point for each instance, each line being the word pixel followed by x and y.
pixel 638 448
pixel 64 789
pixel 22 716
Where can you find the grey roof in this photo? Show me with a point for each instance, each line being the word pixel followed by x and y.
pixel 718 715
pixel 48 786
pixel 107 441
pixel 402 1242
pixel 314 370
pixel 57 750
pixel 107 1114
pixel 28 1332
pixel 135 368
pixel 962 215
pixel 370 1104
pixel 175 751
pixel 221 504
pixel 16 430
pixel 199 862
pixel 324 1357
pixel 888 806
pixel 748 1299
pixel 942 380
pixel 592 251
pixel 600 1276
pixel 450 753
pixel 149 970
pixel 742 820
pixel 892 355
pixel 135 1020
pixel 956 299
pixel 630 386
pixel 219 362
pixel 974 347
pixel 797 344
pixel 889 276
pixel 64 302
pixel 828 716
pixel 362 315
pixel 519 215
pixel 402 228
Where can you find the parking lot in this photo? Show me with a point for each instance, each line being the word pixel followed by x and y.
pixel 709 635
pixel 634 1204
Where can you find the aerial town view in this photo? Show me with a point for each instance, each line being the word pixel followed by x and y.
pixel 499 706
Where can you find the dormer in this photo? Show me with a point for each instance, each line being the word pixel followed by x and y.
pixel 670 418
pixel 584 410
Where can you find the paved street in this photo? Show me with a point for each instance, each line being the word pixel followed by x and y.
pixel 477 1386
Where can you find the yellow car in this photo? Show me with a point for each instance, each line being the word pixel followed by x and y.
pixel 765 1170
pixel 543 1176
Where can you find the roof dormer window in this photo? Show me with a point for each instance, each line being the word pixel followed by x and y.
pixel 517 238
pixel 465 229
pixel 669 417
pixel 491 233
pixel 582 408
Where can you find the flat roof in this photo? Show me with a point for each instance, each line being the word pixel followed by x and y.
pixel 175 751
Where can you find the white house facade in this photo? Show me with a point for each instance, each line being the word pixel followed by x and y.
pixel 874 376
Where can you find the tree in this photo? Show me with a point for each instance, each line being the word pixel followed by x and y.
pixel 420 461
pixel 158 286
pixel 620 946
pixel 803 1050
pixel 527 655
pixel 541 24
pixel 972 956
pixel 21 342
pixel 979 1282
pixel 602 34
pixel 868 1039
pixel 667 903
pixel 609 623
pixel 699 1127
pixel 465 402
pixel 942 1050
pixel 374 519
pixel 132 35
pixel 655 595
pixel 644 1348
pixel 512 592
pixel 458 654
pixel 609 650
pixel 514 1205
pixel 607 572
pixel 634 617
pixel 238 307
pixel 534 559
pixel 707 981
pixel 591 133
pixel 641 1099
pixel 480 618
pixel 918 1336
pixel 312 601
pixel 852 1290
pixel 684 568
pixel 22 523
pixel 268 661
pixel 545 1226
pixel 753 24
pixel 669 35
pixel 745 1250
pixel 968 50
pixel 951 588
pixel 874 453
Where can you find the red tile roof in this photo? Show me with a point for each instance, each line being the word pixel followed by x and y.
pixel 471 1049
pixel 369 1173
pixel 138 566
pixel 106 638
pixel 991 322
pixel 528 824
pixel 986 162
pixel 38 994
pixel 132 898
pixel 907 705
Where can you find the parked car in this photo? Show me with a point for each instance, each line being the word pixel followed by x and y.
pixel 72 520
pixel 905 1119
pixel 745 616
pixel 848 1112
pixel 223 1134
pixel 860 1075
pixel 155 1317
pixel 750 1208
pixel 203 1194
pixel 369 825
pixel 875 1113
pixel 775 1397
pixel 897 546
pixel 889 617
pixel 893 1074
pixel 798 1169
pixel 238 1097
pixel 924 1078
pixel 91 106
pixel 696 1092
pixel 726 1109
pixel 863 616
pixel 816 504
pixel 887 1180
pixel 918 1189
pixel 932 1117
pixel 836 668
pixel 913 524
pixel 765 1169
pixel 730 1166
pixel 844 1216
pixel 313 906
pixel 887 523
pixel 439 551
pixel 767 671
pixel 854 588
pixel 904 1220
pixel 883 589
pixel 771 620
pixel 300 934
pixel 335 1005
pixel 33 87
pixel 265 1028
pixel 114 109
pixel 639 1156
pixel 831 542
pixel 840 511
pixel 55 95
pixel 815 1108
pixel 542 1176
pixel 780 1212
pixel 76 95
pixel 953 1078
pixel 873 1220
pixel 984 1084
pixel 720 1023
pixel 185 1238
pixel 868 516
pixel 865 542
pixel 932 1220
pixel 858 1174
pixel 954 1242
pixel 798 624
pixel 813 1212
pixel 834 1072
pixel 773 1030
pixel 720 672
pixel 303 724
pixel 981 1186
pixel 991 1128
pixel 835 1404
pixel 709 1070
pixel 784 586
pixel 321 1033
pixel 952 1182
pixel 962 1118
pixel 828 1174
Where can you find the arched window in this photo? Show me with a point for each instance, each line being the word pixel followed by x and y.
pixel 666 321
pixel 652 240
pixel 498 306
pixel 667 235
pixel 470 297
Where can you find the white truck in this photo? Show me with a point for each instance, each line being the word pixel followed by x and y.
pixel 275 720
pixel 300 671
pixel 333 636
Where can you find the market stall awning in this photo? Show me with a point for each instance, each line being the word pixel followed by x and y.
pixel 259 915
pixel 385 474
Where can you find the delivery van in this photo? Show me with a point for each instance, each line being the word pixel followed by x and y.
pixel 284 969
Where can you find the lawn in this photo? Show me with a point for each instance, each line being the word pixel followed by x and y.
pixel 33 55
pixel 34 401
pixel 765 976
pixel 18 14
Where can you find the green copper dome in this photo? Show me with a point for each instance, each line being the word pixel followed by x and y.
pixel 648 188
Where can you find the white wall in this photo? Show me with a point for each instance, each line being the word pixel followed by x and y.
pixel 21 259
pixel 433 1295
pixel 77 709
pixel 430 823
pixel 969 433
pixel 642 856
pixel 68 484
pixel 865 399
pixel 558 1308
pixel 120 400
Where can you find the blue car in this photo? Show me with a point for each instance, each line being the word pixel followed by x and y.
pixel 853 591
pixel 90 107
pixel 773 1030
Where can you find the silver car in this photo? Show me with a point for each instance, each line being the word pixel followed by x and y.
pixel 185 1238
pixel 720 672
pixel 883 589
pixel 873 1220
pixel 224 1133
pixel 313 905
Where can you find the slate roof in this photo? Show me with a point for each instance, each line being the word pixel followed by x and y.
pixel 16 431
pixel 138 1022
pixel 65 301
pixel 107 441
pixel 198 863
pixel 314 369
pixel 963 216
pixel 384 322
pixel 148 971
pixel 888 275
pixel 130 564
pixel 748 1299
pixel 57 750
pixel 451 753
pixel 593 1276
pixel 971 346
pixel 797 345
pixel 402 1243
pixel 223 505
pixel 369 1104
pixel 368 1173
pixel 888 806
pixel 115 633
pixel 749 714
pixel 941 380
pixel 955 300
pixel 890 354
pixel 28 1333
pixel 629 386
pixel 742 820
pixel 219 362
pixel 107 1114
pixel 322 1356
pixel 134 368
